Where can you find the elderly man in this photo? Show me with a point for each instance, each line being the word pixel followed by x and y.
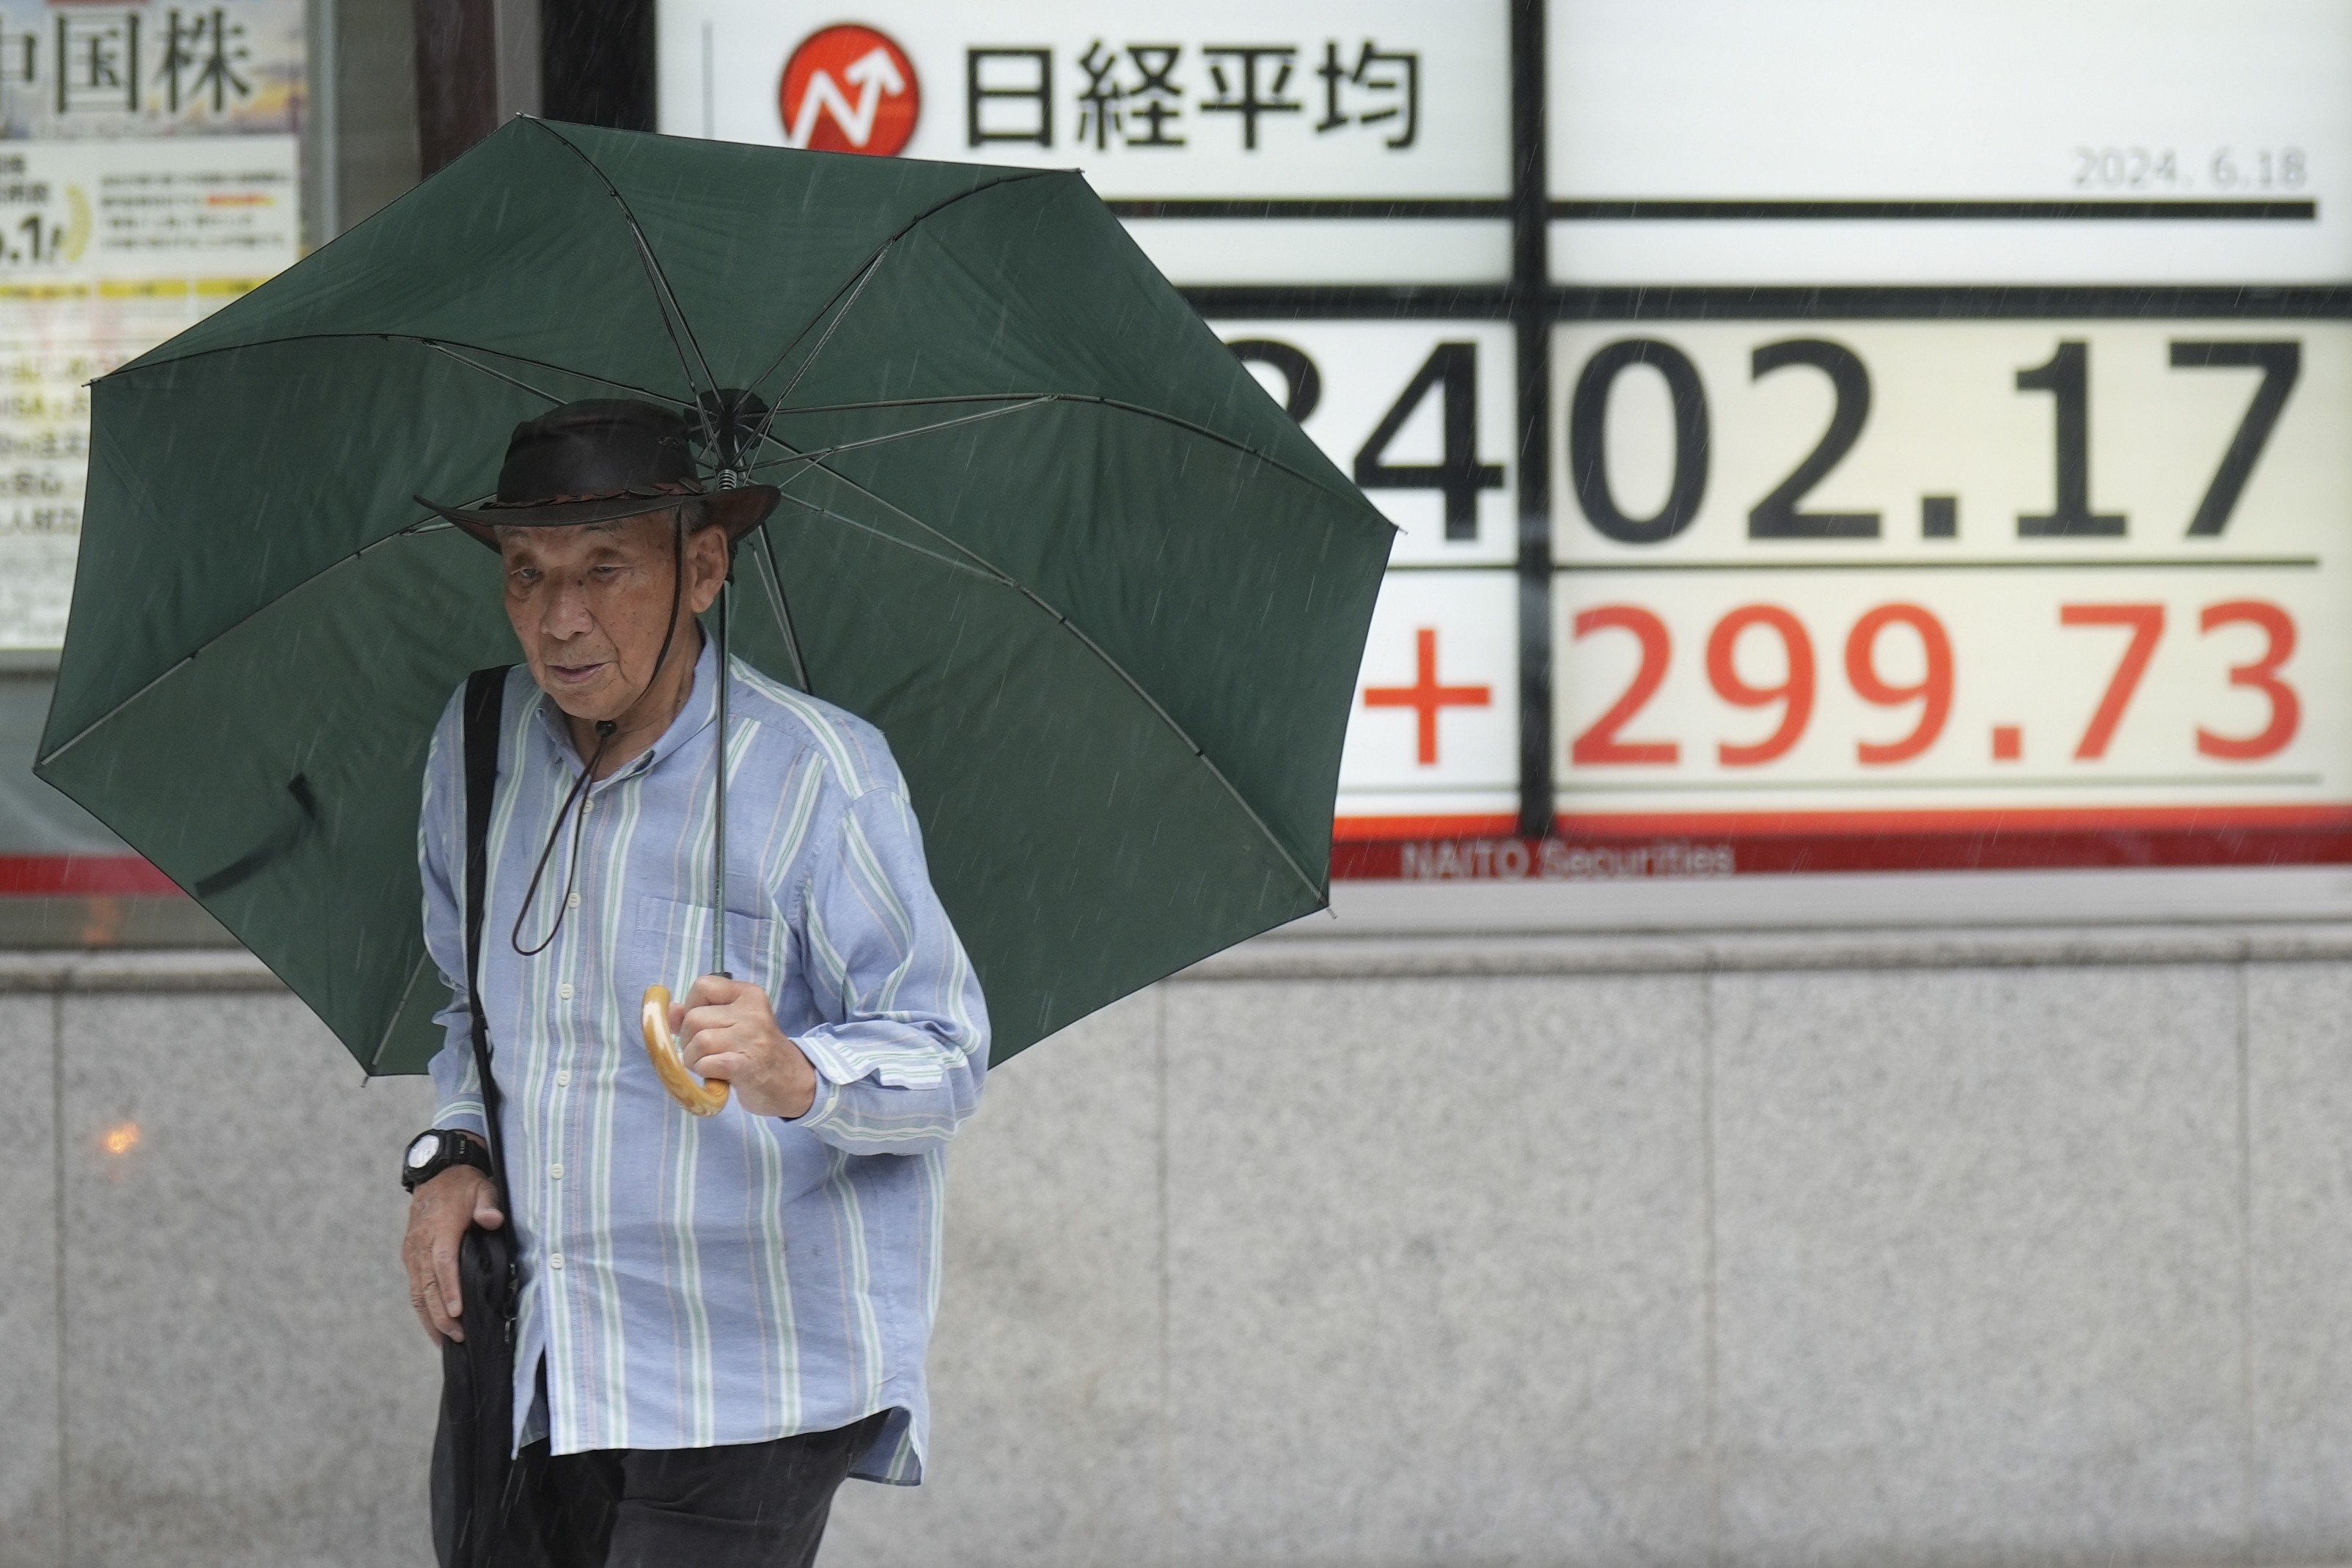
pixel 722 1318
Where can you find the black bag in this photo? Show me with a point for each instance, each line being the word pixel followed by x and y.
pixel 485 1503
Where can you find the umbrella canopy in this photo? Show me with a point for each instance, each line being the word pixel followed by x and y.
pixel 1102 595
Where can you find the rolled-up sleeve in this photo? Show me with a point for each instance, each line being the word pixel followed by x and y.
pixel 440 853
pixel 900 1057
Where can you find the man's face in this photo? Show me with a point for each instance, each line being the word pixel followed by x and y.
pixel 591 605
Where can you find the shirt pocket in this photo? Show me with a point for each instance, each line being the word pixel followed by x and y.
pixel 678 935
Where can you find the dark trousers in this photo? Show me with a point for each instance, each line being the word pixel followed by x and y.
pixel 743 1505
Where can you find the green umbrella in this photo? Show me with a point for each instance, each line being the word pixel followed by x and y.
pixel 1102 595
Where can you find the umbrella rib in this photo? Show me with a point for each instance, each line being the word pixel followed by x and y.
pixel 1033 398
pixel 665 300
pixel 857 286
pixel 771 578
pixel 775 591
pixel 865 275
pixel 383 1041
pixel 190 656
pixel 998 577
pixel 943 398
pixel 501 375
pixel 816 464
pixel 818 453
pixel 443 344
pixel 991 571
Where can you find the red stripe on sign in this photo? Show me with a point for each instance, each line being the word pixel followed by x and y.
pixel 2057 818
pixel 82 876
pixel 2041 850
pixel 1349 830
pixel 1685 847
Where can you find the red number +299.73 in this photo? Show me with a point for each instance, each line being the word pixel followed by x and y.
pixel 1603 743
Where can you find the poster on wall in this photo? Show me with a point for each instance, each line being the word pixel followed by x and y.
pixel 148 176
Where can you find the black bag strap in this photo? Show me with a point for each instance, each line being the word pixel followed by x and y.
pixel 486 692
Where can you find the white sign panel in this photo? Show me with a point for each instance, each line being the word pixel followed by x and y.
pixel 1210 98
pixel 1222 101
pixel 2002 104
pixel 1306 252
pixel 1905 576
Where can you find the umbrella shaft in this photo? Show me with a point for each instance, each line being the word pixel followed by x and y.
pixel 718 804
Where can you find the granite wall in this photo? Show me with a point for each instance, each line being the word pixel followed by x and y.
pixel 1974 1249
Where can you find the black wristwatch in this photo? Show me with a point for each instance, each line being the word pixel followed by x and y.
pixel 435 1150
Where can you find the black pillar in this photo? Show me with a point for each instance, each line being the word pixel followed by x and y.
pixel 597 60
pixel 456 78
pixel 1531 314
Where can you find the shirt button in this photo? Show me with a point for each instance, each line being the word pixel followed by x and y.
pixel 572 902
pixel 564 1079
pixel 555 1259
pixel 555 1171
pixel 563 991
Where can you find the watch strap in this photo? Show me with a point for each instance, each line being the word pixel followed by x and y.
pixel 455 1146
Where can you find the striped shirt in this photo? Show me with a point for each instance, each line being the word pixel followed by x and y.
pixel 694 1281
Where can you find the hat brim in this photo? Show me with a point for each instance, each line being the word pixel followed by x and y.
pixel 739 511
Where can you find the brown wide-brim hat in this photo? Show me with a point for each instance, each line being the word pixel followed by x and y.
pixel 601 460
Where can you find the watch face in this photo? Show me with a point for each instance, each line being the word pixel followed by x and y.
pixel 421 1152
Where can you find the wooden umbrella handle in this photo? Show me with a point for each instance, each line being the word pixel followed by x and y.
pixel 704 1097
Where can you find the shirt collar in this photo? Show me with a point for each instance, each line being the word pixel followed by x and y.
pixel 699 713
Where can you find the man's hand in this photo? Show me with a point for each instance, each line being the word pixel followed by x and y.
pixel 727 1029
pixel 439 1213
